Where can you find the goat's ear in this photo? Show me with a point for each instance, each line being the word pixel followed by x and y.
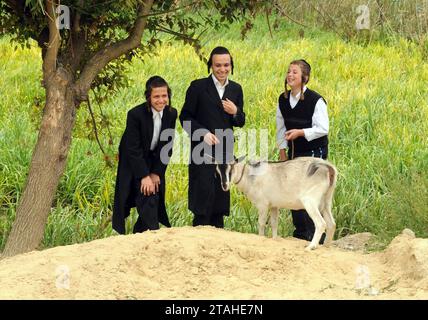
pixel 240 159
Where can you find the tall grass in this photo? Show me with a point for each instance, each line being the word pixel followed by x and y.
pixel 378 112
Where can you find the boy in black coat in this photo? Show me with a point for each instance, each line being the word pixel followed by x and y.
pixel 144 152
pixel 213 106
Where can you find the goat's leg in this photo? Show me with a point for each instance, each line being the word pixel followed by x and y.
pixel 263 215
pixel 274 221
pixel 326 205
pixel 319 222
pixel 330 223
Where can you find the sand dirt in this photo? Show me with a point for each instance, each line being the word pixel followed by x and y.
pixel 209 263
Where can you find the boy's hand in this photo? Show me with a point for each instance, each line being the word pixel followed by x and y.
pixel 292 134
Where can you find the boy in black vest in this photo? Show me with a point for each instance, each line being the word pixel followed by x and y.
pixel 302 126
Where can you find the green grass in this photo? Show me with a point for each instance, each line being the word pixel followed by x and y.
pixel 378 112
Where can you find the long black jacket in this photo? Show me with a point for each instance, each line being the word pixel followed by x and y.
pixel 204 112
pixel 137 161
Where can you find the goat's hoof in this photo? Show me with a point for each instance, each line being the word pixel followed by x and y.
pixel 310 247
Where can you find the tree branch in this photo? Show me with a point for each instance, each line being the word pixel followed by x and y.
pixel 159 13
pixel 77 41
pixel 104 117
pixel 176 34
pixel 49 61
pixel 268 22
pixel 103 56
pixel 282 11
pixel 333 24
pixel 94 123
pixel 76 19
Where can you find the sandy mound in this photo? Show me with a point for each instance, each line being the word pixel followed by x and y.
pixel 407 259
pixel 209 263
pixel 354 242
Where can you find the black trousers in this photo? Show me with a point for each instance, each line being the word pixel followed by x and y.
pixel 211 211
pixel 304 226
pixel 147 208
pixel 215 220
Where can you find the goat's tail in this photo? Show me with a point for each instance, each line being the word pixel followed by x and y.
pixel 332 175
pixel 328 197
pixel 328 174
pixel 332 171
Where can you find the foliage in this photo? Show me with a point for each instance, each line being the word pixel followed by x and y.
pixel 105 22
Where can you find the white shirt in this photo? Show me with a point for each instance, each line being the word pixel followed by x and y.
pixel 320 123
pixel 157 123
pixel 220 88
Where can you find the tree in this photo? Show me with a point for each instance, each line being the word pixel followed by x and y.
pixel 103 36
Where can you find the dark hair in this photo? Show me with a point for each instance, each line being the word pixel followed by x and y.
pixel 218 50
pixel 156 82
pixel 306 73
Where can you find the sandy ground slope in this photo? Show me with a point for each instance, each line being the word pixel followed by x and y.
pixel 209 263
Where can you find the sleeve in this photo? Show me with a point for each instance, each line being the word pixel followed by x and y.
pixel 188 112
pixel 133 147
pixel 280 130
pixel 320 122
pixel 238 120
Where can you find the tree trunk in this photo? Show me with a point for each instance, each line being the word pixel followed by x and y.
pixel 47 165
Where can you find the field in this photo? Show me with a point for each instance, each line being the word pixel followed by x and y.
pixel 377 103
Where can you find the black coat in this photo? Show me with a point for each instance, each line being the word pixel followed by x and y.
pixel 137 161
pixel 204 110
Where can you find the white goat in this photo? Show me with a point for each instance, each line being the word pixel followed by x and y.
pixel 303 183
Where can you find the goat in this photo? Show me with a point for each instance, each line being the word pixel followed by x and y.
pixel 303 183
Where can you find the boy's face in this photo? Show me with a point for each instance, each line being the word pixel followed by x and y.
pixel 221 66
pixel 159 98
pixel 294 76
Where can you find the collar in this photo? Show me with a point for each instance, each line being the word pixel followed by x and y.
pixel 218 84
pixel 154 112
pixel 297 97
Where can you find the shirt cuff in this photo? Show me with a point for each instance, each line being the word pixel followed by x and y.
pixel 308 134
pixel 282 144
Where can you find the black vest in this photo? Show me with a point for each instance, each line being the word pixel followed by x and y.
pixel 300 117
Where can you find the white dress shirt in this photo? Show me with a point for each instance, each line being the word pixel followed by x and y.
pixel 320 123
pixel 220 88
pixel 157 123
